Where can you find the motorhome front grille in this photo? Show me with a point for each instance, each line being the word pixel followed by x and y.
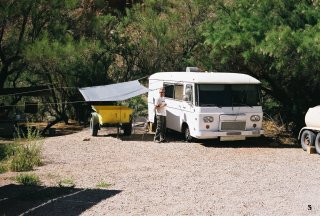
pixel 233 125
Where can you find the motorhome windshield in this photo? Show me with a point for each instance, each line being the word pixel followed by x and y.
pixel 227 95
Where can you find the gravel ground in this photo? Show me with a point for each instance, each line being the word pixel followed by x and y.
pixel 175 178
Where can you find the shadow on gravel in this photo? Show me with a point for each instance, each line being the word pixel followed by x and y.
pixel 261 142
pixel 173 136
pixel 149 136
pixel 37 200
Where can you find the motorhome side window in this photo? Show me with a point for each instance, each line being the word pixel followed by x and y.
pixel 189 93
pixel 174 91
pixel 169 90
pixel 178 92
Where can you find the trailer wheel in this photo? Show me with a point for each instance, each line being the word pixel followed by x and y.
pixel 127 129
pixel 307 139
pixel 317 143
pixel 186 132
pixel 93 128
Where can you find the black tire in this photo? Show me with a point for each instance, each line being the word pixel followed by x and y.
pixel 317 143
pixel 186 132
pixel 93 128
pixel 127 129
pixel 307 139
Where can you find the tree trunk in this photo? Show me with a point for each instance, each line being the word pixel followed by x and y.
pixel 50 124
pixel 3 75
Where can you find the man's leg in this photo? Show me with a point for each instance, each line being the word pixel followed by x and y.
pixel 157 136
pixel 164 128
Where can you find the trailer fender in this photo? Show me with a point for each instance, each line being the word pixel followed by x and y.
pixel 313 129
pixel 302 129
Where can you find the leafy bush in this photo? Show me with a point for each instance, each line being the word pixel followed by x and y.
pixel 6 151
pixel 27 151
pixel 28 133
pixel 26 157
pixel 3 168
pixel 28 179
pixel 138 104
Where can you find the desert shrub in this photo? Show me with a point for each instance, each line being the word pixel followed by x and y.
pixel 27 133
pixel 28 179
pixel 103 184
pixel 67 182
pixel 3 168
pixel 6 151
pixel 277 131
pixel 26 157
pixel 27 151
pixel 3 154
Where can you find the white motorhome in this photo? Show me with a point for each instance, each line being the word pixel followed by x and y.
pixel 209 105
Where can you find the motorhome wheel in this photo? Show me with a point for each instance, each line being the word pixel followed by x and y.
pixel 187 135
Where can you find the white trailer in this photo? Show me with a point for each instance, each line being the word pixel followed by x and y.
pixel 310 135
pixel 209 105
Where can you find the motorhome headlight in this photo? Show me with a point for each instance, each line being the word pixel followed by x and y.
pixel 208 119
pixel 255 118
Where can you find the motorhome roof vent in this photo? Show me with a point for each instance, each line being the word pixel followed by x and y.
pixel 193 69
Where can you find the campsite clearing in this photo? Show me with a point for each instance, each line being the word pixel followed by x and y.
pixel 175 178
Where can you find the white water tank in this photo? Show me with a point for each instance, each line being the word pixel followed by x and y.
pixel 312 117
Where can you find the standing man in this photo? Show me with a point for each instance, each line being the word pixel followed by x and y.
pixel 161 112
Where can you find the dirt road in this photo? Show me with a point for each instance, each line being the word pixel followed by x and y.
pixel 175 178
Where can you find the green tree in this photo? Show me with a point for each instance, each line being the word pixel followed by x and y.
pixel 161 36
pixel 60 43
pixel 21 23
pixel 275 41
pixel 79 57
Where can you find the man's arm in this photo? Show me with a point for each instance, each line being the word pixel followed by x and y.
pixel 159 103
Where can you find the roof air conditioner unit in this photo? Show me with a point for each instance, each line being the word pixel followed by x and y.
pixel 193 69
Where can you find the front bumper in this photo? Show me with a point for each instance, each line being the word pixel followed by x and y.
pixel 227 135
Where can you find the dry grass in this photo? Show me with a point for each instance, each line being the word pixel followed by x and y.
pixel 72 125
pixel 61 127
pixel 278 132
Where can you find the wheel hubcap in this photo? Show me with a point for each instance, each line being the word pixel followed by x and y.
pixel 307 140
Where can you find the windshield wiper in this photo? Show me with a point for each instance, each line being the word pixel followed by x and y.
pixel 211 105
pixel 241 104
